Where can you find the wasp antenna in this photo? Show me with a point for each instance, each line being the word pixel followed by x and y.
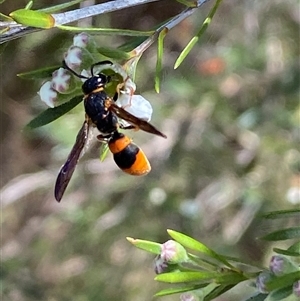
pixel 65 66
pixel 99 64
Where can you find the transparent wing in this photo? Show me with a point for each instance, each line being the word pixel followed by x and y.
pixel 68 168
pixel 139 123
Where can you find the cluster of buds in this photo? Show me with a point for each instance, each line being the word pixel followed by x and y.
pixel 61 78
pixel 279 266
pixel 79 54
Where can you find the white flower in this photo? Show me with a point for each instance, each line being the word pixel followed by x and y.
pixel 61 80
pixel 136 105
pixel 47 94
pixel 81 40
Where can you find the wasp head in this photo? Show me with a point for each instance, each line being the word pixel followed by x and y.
pixel 95 82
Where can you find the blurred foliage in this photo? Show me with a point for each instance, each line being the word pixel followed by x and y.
pixel 231 114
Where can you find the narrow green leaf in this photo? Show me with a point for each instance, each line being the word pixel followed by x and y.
pixel 160 53
pixel 55 8
pixel 283 281
pixel 52 114
pixel 184 53
pixel 193 244
pixel 257 297
pixel 5 18
pixel 284 234
pixel 132 44
pixel 244 262
pixel 295 247
pixel 195 39
pixel 177 290
pixel 3 30
pixel 217 292
pixel 287 252
pixel 33 18
pixel 282 214
pixel 179 277
pixel 113 53
pixel 230 278
pixel 29 5
pixel 107 31
pixel 150 246
pixel 188 3
pixel 280 294
pixel 39 73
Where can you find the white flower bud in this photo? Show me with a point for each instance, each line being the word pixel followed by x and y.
pixel 61 80
pixel 47 94
pixel 73 57
pixel 81 40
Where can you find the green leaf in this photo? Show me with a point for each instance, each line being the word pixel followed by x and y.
pixel 283 281
pixel 282 214
pixel 230 278
pixel 217 292
pixel 244 262
pixel 132 44
pixel 195 39
pixel 295 253
pixel 184 53
pixel 195 245
pixel 5 18
pixel 39 73
pixel 107 31
pixel 295 247
pixel 179 277
pixel 52 114
pixel 160 52
pixel 29 5
pixel 177 290
pixel 257 297
pixel 58 7
pixel 3 30
pixel 280 294
pixel 150 246
pixel 284 234
pixel 113 53
pixel 33 18
pixel 188 3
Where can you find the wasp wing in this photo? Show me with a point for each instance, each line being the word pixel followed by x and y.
pixel 68 168
pixel 137 122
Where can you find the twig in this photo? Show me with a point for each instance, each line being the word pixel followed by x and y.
pixel 71 16
pixel 15 30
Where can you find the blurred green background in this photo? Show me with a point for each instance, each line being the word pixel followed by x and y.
pixel 231 113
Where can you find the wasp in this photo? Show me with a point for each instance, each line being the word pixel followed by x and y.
pixel 102 112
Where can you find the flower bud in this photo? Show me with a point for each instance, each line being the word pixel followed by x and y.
pixel 81 40
pixel 160 265
pixel 172 252
pixel 262 280
pixel 280 265
pixel 73 57
pixel 296 288
pixel 61 80
pixel 47 94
